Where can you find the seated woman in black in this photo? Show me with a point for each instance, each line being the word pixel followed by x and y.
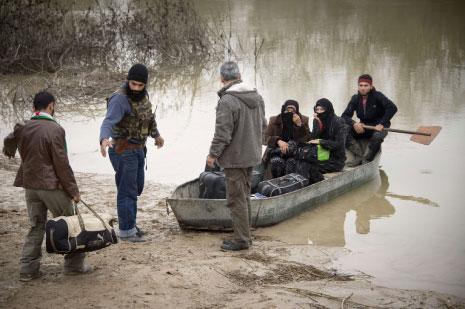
pixel 285 131
pixel 328 135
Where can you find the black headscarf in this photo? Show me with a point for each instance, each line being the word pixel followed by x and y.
pixel 287 133
pixel 327 115
pixel 290 102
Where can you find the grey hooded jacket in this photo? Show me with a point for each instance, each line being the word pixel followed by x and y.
pixel 240 125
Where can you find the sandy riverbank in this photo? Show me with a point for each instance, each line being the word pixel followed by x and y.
pixel 184 269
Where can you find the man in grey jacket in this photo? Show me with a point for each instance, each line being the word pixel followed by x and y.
pixel 237 146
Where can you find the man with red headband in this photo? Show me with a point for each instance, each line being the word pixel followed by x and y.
pixel 372 108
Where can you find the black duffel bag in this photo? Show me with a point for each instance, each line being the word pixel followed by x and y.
pixel 281 185
pixel 79 233
pixel 212 185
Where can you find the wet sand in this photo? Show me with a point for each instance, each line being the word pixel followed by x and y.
pixel 175 268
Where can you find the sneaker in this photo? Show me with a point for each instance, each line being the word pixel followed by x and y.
pixel 134 238
pixel 233 245
pixel 140 232
pixel 86 269
pixel 29 277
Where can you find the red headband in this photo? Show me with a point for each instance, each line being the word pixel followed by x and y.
pixel 365 80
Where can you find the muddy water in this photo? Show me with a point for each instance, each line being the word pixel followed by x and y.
pixel 406 227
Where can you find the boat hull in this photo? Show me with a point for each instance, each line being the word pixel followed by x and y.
pixel 213 214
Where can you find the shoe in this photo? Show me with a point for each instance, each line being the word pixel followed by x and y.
pixel 29 277
pixel 232 240
pixel 134 238
pixel 368 157
pixel 234 245
pixel 86 269
pixel 140 232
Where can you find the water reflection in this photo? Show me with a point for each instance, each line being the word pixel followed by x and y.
pixel 377 206
pixel 416 199
pixel 325 224
pixel 316 49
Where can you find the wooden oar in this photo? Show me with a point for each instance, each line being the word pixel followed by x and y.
pixel 423 135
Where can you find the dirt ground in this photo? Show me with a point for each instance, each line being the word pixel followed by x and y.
pixel 184 269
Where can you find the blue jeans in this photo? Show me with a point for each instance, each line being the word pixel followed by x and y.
pixel 129 177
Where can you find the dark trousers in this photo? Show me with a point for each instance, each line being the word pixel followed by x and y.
pixel 282 166
pixel 375 139
pixel 330 166
pixel 238 187
pixel 129 178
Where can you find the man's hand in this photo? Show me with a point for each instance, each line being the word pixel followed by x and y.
pixel 159 141
pixel 211 161
pixel 358 127
pixel 77 198
pixel 379 127
pixel 283 146
pixel 296 119
pixel 103 146
pixel 314 141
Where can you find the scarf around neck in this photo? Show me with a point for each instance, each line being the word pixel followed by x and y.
pixel 42 115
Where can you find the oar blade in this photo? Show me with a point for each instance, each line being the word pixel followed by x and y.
pixel 426 140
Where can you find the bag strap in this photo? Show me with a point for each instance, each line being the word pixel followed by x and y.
pixel 296 178
pixel 275 187
pixel 93 212
pixel 293 177
pixel 81 222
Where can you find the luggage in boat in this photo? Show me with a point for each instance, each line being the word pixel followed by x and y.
pixel 257 177
pixel 212 185
pixel 309 171
pixel 79 233
pixel 282 185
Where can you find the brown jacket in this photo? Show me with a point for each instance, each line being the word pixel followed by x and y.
pixel 275 128
pixel 44 160
pixel 240 123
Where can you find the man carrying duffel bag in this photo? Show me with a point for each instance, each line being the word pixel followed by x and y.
pixel 79 233
pixel 48 180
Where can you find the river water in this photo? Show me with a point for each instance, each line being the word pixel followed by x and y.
pixel 404 228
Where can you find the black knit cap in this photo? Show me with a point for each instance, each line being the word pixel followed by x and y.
pixel 139 73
